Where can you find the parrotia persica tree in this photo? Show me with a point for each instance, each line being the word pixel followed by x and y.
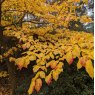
pixel 42 35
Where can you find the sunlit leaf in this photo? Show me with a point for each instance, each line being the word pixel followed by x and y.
pixel 48 79
pixel 42 74
pixel 31 88
pixel 79 65
pixel 55 75
pixel 36 68
pixel 69 58
pixel 20 62
pixel 89 68
pixel 38 84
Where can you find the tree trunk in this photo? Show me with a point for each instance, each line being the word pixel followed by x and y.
pixel 1 28
pixel 12 76
pixel 3 45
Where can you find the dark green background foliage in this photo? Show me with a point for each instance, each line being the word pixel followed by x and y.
pixel 70 82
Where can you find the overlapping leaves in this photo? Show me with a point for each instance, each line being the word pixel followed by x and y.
pixel 50 51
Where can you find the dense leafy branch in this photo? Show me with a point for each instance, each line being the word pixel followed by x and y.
pixel 45 40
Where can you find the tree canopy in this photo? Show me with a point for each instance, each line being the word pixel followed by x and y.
pixel 46 38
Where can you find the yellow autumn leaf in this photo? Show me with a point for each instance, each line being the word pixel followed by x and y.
pixel 42 74
pixel 44 68
pixel 32 57
pixel 11 59
pixel 69 57
pixel 37 75
pixel 31 88
pixel 60 65
pixel 48 79
pixel 49 63
pixel 6 54
pixel 26 45
pixel 3 74
pixel 36 68
pixel 47 57
pixel 62 58
pixel 51 55
pixel 41 62
pixel 89 68
pixel 59 70
pixel 40 55
pixel 26 62
pixel 55 75
pixel 91 55
pixel 79 65
pixel 76 52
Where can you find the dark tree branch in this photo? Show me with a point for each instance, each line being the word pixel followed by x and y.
pixel 1 1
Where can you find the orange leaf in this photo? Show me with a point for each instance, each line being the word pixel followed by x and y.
pixel 38 84
pixel 20 62
pixel 48 79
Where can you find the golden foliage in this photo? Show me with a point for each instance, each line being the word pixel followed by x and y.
pixel 3 74
pixel 49 51
pixel 47 46
pixel 89 68
pixel 31 88
pixel 38 84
